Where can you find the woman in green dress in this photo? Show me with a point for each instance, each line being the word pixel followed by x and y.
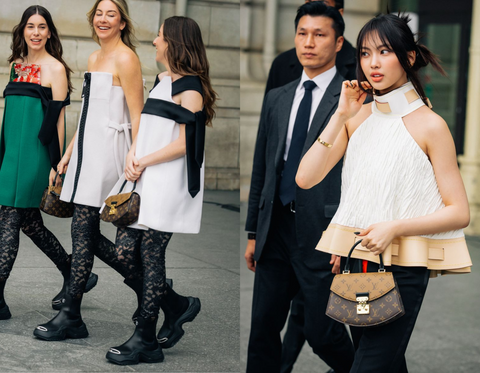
pixel 31 140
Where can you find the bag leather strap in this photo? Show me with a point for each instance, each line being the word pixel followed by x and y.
pixel 347 265
pixel 124 183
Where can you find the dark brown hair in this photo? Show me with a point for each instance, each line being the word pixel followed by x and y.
pixel 393 31
pixel 53 46
pixel 128 32
pixel 186 55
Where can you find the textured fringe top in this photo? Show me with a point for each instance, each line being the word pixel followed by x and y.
pixel 386 176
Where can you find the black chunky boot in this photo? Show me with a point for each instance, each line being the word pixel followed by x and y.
pixel 142 345
pixel 67 324
pixel 178 310
pixel 59 299
pixel 4 310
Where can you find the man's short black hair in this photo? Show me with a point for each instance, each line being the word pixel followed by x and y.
pixel 318 8
pixel 339 4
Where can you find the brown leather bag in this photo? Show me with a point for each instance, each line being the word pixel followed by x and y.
pixel 364 299
pixel 51 203
pixel 122 209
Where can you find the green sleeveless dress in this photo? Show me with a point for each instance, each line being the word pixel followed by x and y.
pixel 24 161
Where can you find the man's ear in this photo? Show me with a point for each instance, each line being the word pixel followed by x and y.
pixel 339 45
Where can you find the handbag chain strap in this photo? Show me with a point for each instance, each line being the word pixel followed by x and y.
pixel 347 264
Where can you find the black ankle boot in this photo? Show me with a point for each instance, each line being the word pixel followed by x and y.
pixel 59 299
pixel 137 286
pixel 171 331
pixel 67 324
pixel 4 310
pixel 142 345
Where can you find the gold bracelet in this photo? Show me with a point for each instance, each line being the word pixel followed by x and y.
pixel 326 144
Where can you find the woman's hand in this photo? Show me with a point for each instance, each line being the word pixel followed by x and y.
pixel 52 177
pixel 335 260
pixel 63 164
pixel 378 237
pixel 131 171
pixel 351 98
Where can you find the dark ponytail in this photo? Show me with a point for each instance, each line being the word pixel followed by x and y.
pixel 393 31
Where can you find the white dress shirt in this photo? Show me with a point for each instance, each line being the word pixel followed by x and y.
pixel 322 81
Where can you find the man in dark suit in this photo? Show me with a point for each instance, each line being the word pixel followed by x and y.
pixel 286 67
pixel 285 222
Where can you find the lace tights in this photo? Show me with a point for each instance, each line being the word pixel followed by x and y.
pixel 29 220
pixel 87 242
pixel 151 245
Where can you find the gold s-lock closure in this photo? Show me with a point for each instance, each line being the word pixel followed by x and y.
pixel 362 307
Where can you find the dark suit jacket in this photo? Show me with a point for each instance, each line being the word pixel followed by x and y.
pixel 286 66
pixel 314 207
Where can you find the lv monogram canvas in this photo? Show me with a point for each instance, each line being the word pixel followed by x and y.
pixel 121 209
pixel 364 299
pixel 52 205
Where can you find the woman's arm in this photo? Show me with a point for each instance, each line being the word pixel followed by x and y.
pixel 320 159
pixel 130 74
pixel 59 93
pixel 455 215
pixel 192 101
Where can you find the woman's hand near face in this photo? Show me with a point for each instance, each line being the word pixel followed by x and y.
pixel 351 99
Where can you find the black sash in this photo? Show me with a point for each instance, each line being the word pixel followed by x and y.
pixel 48 134
pixel 194 133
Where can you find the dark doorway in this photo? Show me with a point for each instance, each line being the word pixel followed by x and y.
pixel 447 27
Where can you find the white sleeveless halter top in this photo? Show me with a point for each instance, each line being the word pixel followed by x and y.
pixel 386 176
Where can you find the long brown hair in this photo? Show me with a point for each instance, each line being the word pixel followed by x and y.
pixel 53 46
pixel 394 32
pixel 128 32
pixel 186 55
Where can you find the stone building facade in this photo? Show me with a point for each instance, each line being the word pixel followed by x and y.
pixel 219 21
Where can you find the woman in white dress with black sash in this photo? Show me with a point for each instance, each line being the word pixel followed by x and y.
pixel 112 103
pixel 166 161
pixel 402 192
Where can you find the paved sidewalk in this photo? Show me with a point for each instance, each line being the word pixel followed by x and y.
pixel 203 265
pixel 446 337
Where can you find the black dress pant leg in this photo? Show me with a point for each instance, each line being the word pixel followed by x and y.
pixel 328 338
pixel 382 349
pixel 294 337
pixel 274 287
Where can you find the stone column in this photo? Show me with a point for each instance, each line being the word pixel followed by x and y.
pixel 470 161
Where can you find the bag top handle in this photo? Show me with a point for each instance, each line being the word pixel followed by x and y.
pixel 347 266
pixel 124 183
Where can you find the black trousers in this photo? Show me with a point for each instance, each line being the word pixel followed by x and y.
pixel 382 349
pixel 294 337
pixel 279 274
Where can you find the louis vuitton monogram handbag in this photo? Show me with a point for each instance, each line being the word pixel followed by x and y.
pixel 122 209
pixel 51 203
pixel 364 299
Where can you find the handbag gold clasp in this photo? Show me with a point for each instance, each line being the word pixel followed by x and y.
pixel 113 210
pixel 362 307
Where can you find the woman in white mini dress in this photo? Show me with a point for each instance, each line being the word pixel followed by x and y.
pixel 166 161
pixel 112 102
pixel 402 193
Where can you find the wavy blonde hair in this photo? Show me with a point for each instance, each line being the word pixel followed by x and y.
pixel 128 32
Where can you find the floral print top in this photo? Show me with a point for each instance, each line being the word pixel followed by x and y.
pixel 25 73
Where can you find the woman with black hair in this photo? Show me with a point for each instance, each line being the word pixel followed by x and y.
pixel 402 192
pixel 32 139
pixel 166 162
